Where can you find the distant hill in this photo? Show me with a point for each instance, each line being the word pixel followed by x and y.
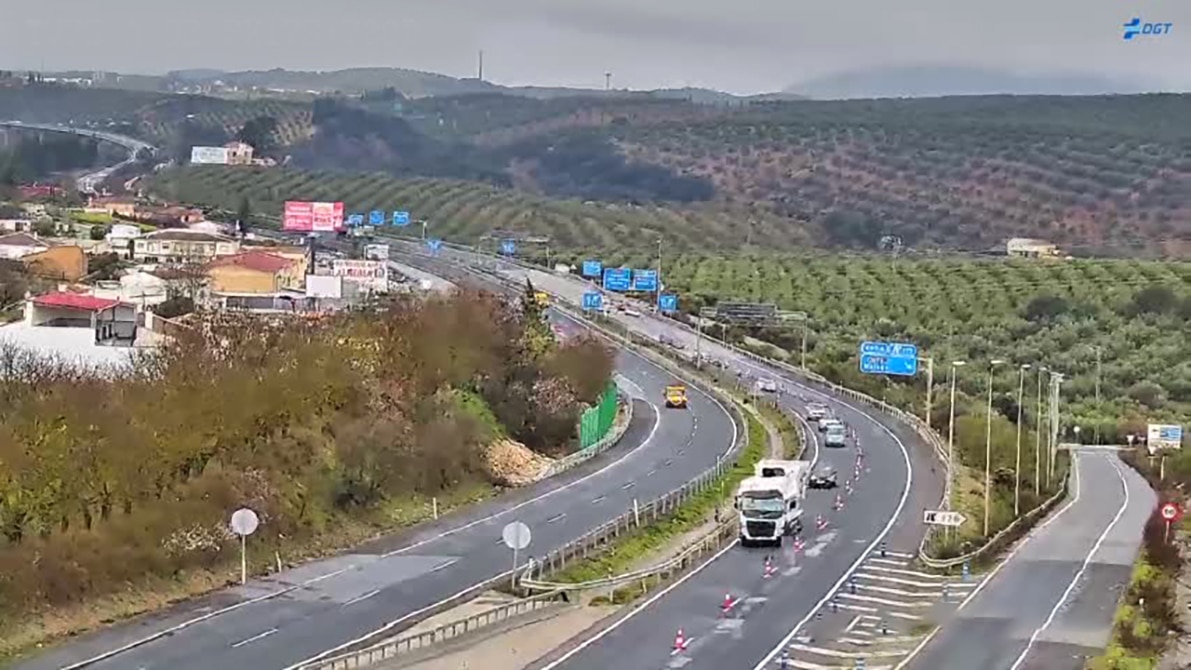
pixel 943 80
pixel 355 81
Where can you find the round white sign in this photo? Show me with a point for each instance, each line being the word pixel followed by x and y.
pixel 244 522
pixel 1170 511
pixel 516 535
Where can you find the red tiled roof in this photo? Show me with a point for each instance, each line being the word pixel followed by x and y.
pixel 254 260
pixel 63 300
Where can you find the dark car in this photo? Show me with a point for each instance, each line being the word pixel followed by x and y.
pixel 823 479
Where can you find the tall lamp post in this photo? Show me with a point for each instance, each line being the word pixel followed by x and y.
pixel 1021 387
pixel 1038 437
pixel 988 445
pixel 951 431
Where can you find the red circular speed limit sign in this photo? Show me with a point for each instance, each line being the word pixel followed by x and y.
pixel 1171 511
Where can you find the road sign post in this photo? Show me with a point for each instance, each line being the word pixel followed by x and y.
pixel 516 536
pixel 950 519
pixel 1171 513
pixel 244 523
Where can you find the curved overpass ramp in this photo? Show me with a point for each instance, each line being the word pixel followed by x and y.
pixel 88 182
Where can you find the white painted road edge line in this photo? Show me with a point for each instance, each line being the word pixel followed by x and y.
pixel 362 598
pixel 639 609
pixel 1008 557
pixel 901 503
pixel 254 638
pixel 1082 569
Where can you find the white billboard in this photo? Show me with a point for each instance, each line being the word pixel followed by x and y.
pixel 370 275
pixel 208 155
pixel 376 252
pixel 322 286
pixel 1163 436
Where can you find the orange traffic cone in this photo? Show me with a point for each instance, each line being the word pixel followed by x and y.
pixel 729 603
pixel 680 641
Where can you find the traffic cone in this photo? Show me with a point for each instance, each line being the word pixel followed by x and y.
pixel 820 523
pixel 680 641
pixel 769 568
pixel 729 603
pixel 839 502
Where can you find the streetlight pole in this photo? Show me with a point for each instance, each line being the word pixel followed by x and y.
pixel 657 299
pixel 930 385
pixel 1038 438
pixel 988 446
pixel 1021 387
pixel 1096 427
pixel 951 432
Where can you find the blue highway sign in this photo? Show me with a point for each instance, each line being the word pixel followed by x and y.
pixel 593 300
pixel 434 245
pixel 617 279
pixel 889 358
pixel 400 218
pixel 645 280
pixel 668 302
pixel 376 218
pixel 592 268
pixel 508 247
pixel 355 220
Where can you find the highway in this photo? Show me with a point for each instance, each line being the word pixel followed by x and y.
pixel 325 605
pixel 1050 604
pixel 87 182
pixel 899 478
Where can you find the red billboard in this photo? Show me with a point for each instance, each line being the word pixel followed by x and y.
pixel 313 217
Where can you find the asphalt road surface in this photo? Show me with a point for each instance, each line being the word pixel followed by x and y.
pixel 899 477
pixel 325 604
pixel 1050 605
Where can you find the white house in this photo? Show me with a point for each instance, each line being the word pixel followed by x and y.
pixel 19 245
pixel 180 245
pixel 121 235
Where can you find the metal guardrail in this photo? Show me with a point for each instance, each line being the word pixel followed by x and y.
pixel 416 642
pixel 582 547
pixel 938 446
pixel 705 544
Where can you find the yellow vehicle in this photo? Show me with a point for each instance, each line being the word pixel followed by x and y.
pixel 542 298
pixel 676 395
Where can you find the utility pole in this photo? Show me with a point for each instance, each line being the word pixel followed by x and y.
pixel 1038 438
pixel 607 81
pixel 480 72
pixel 1096 426
pixel 988 446
pixel 1021 387
pixel 657 299
pixel 930 385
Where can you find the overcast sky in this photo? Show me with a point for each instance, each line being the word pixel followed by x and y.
pixel 742 46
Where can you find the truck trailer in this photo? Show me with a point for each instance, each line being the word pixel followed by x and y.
pixel 769 504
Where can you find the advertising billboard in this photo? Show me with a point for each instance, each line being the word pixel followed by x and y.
pixel 376 252
pixel 370 275
pixel 1163 436
pixel 208 155
pixel 313 217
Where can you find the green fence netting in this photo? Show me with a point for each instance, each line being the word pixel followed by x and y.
pixel 597 421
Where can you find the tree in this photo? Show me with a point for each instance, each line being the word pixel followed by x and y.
pixel 261 133
pixel 99 232
pixel 45 227
pixel 243 215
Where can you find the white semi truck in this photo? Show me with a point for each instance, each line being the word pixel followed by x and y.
pixel 769 504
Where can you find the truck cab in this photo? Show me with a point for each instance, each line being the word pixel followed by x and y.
pixel 676 396
pixel 769 503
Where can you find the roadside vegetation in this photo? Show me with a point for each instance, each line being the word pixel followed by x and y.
pixel 1148 620
pixel 117 489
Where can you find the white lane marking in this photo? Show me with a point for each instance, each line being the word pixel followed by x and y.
pixel 628 486
pixel 908 573
pixel 933 593
pixel 639 609
pixel 890 561
pixel 651 473
pixel 1012 552
pixel 911 582
pixel 254 638
pixel 557 518
pixel 362 598
pixel 901 503
pixel 1082 569
pixel 597 500
pixel 836 653
pixel 444 565
pixel 806 665
pixel 418 612
pixel 882 601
